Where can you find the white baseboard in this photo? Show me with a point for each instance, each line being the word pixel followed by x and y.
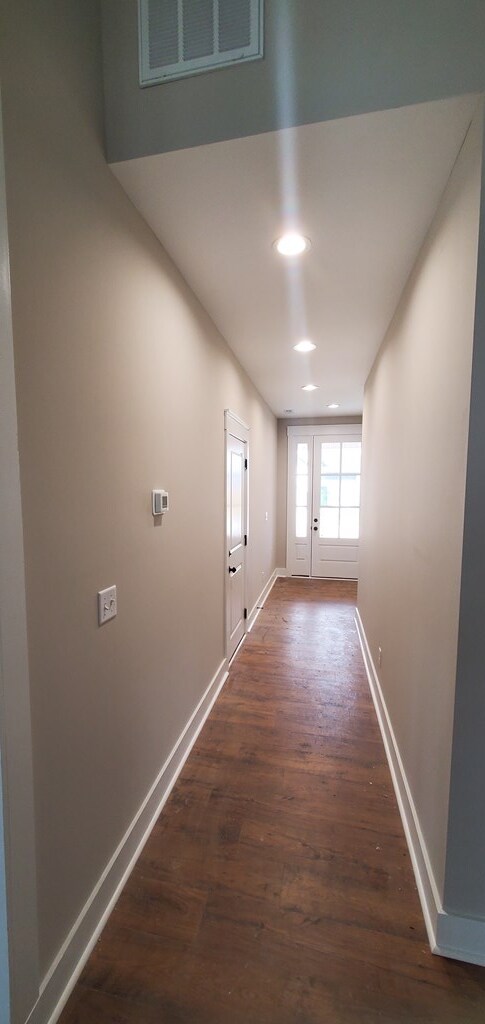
pixel 461 938
pixel 428 891
pixel 449 935
pixel 257 606
pixel 62 976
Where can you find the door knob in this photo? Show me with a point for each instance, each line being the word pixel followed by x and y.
pixel 232 570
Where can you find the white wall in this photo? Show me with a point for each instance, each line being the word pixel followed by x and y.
pixel 415 433
pixel 122 381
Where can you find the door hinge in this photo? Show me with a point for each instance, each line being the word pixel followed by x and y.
pixel 245 613
pixel 245 540
pixel 245 463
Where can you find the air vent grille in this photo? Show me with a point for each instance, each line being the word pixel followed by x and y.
pixel 234 24
pixel 186 37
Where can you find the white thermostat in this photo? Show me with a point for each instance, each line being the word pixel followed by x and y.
pixel 159 503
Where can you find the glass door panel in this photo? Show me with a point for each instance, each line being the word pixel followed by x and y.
pixel 302 488
pixel 351 456
pixel 299 505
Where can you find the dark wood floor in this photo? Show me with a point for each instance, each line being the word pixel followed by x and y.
pixel 276 887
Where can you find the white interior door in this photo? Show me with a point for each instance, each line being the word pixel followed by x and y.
pixel 236 538
pixel 323 507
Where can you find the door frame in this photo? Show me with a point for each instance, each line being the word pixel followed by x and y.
pixel 233 424
pixel 307 430
pixel 18 888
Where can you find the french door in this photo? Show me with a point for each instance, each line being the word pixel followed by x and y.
pixel 323 508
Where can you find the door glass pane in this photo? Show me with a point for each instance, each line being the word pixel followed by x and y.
pixel 302 486
pixel 331 457
pixel 349 523
pixel 350 490
pixel 329 491
pixel 302 458
pixel 329 522
pixel 301 522
pixel 351 451
pixel 302 492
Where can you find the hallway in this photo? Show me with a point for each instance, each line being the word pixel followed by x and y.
pixel 276 887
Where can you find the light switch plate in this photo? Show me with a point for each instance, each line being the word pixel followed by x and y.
pixel 107 605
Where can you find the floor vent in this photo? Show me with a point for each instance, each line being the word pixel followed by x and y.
pixel 186 37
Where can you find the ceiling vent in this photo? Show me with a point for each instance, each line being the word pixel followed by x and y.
pixel 186 37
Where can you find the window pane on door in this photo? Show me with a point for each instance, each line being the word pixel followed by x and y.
pixel 329 491
pixel 302 492
pixel 331 457
pixel 328 522
pixel 349 523
pixel 340 490
pixel 302 488
pixel 302 459
pixel 301 522
pixel 350 490
pixel 351 452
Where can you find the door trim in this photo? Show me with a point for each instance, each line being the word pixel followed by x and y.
pixel 310 429
pixel 233 424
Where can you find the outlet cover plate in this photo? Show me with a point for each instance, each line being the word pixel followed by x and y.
pixel 107 605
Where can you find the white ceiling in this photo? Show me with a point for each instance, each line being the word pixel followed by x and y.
pixel 363 189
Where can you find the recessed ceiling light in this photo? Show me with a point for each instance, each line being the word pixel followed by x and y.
pixel 310 387
pixel 292 244
pixel 333 405
pixel 304 346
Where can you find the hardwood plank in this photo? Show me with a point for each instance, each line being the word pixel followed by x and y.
pixel 276 887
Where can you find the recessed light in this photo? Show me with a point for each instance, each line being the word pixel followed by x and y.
pixel 333 405
pixel 304 346
pixel 292 244
pixel 310 387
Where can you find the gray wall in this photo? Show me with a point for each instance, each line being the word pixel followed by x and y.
pixel 122 381
pixel 282 457
pixel 465 869
pixel 323 59
pixel 415 433
pixel 17 854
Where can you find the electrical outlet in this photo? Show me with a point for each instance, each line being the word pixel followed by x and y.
pixel 379 656
pixel 107 605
